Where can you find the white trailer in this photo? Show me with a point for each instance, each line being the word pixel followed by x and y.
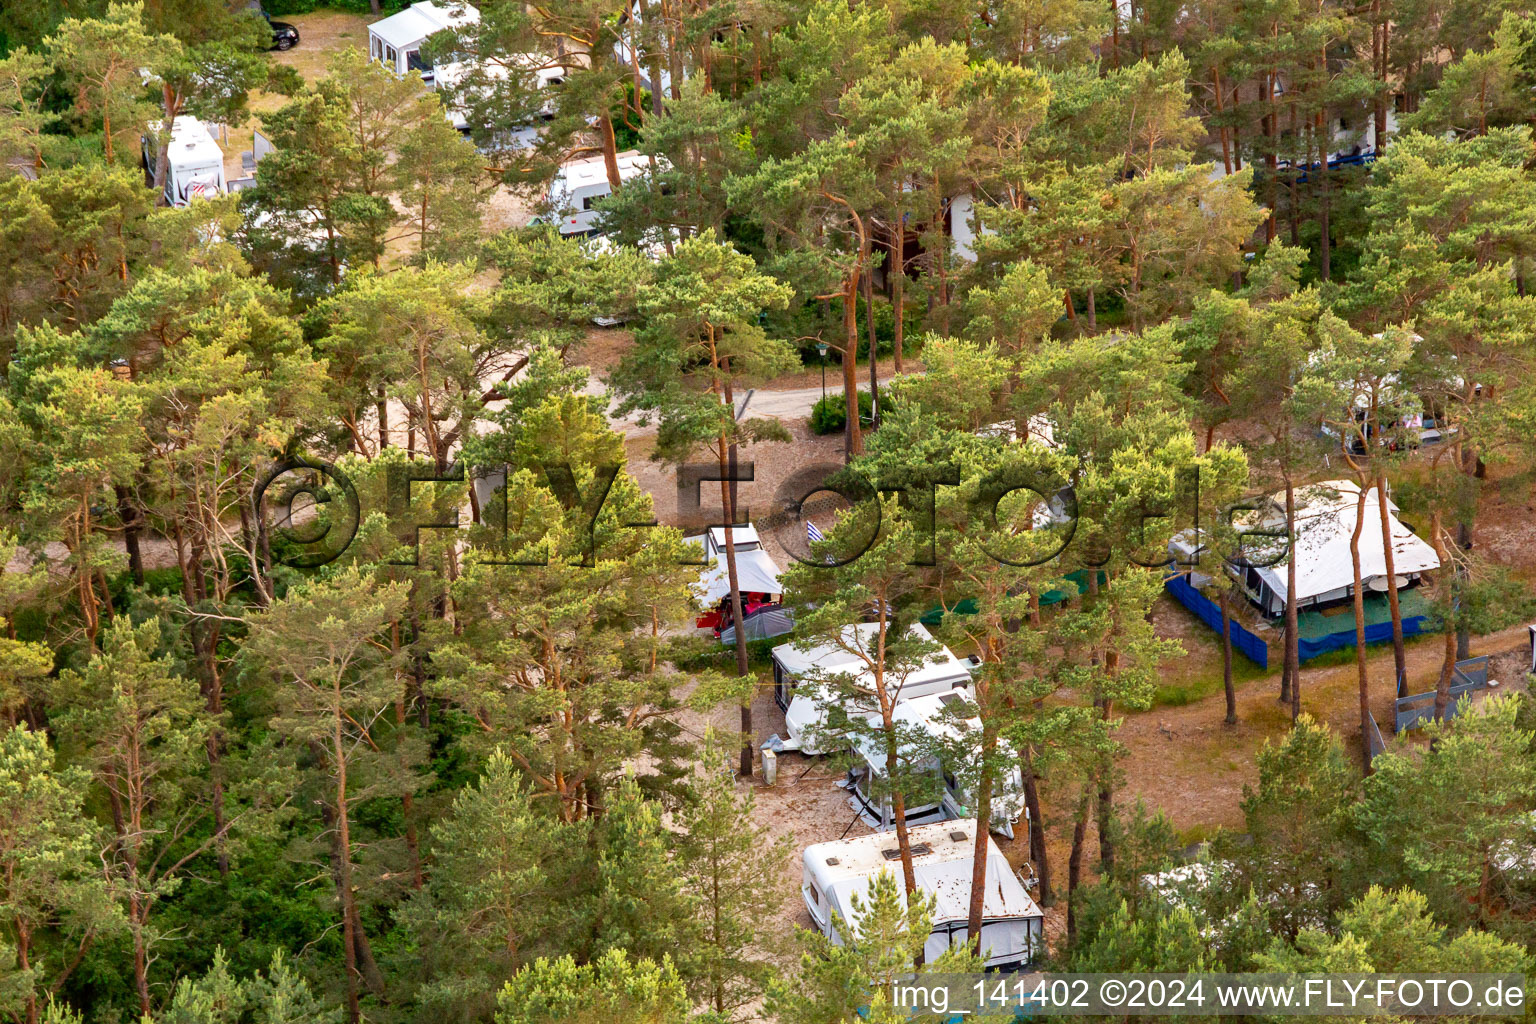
pixel 804 715
pixel 579 184
pixel 463 82
pixel 196 168
pixel 1012 924
pixel 933 717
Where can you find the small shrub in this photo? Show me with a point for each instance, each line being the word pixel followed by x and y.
pixel 829 415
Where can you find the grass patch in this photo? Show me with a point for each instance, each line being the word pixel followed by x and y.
pixel 1206 681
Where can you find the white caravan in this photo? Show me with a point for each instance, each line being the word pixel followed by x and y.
pixel 579 184
pixel 1012 924
pixel 932 717
pixel 196 162
pixel 454 80
pixel 804 715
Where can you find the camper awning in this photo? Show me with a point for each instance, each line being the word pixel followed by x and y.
pixel 756 573
pixel 1325 521
pixel 420 20
pixel 404 29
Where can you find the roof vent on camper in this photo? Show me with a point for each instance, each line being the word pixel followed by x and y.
pixel 894 852
pixel 833 862
pixel 958 836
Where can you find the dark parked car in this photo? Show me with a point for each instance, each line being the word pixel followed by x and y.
pixel 284 35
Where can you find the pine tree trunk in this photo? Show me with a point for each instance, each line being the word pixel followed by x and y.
pixel 983 838
pixel 1448 661
pixel 1292 625
pixel 1361 669
pixel 1226 656
pixel 1037 848
pixel 1399 653
pixel 853 438
pixel 898 293
pixel 130 517
pixel 1075 864
pixel 727 499
pixel 874 362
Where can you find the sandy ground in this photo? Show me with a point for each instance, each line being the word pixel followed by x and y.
pixel 321 33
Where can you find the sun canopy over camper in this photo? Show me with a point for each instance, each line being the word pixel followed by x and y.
pixel 757 578
pixel 942 854
pixel 1325 521
pixel 397 40
pixel 756 573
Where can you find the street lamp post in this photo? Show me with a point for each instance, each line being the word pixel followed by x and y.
pixel 821 350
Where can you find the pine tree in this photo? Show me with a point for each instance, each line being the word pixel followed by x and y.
pixel 734 866
pixel 702 344
pixel 52 897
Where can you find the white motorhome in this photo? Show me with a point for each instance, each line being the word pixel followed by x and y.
pixel 196 162
pixel 461 77
pixel 805 717
pixel 396 41
pixel 579 184
pixel 1012 924
pixel 931 717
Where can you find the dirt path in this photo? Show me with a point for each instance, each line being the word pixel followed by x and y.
pixel 1185 762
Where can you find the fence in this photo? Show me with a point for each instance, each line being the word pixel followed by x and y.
pixel 1375 633
pixel 1374 744
pixel 1466 677
pixel 1251 647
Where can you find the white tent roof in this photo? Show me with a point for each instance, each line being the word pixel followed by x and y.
pixel 755 573
pixel 421 20
pixel 1325 520
pixel 943 872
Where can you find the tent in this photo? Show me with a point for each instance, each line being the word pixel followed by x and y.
pixel 804 715
pixel 757 577
pixel 1012 924
pixel 396 41
pixel 1325 520
pixel 926 717
pixel 196 162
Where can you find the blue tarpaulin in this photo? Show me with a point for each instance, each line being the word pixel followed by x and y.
pixel 1251 647
pixel 1375 633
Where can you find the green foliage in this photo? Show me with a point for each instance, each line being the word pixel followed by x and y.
pixel 467 785
pixel 829 414
pixel 851 981
pixel 613 987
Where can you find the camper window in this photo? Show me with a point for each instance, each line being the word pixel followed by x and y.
pixel 414 61
pixel 586 202
pixel 392 57
pixel 375 47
